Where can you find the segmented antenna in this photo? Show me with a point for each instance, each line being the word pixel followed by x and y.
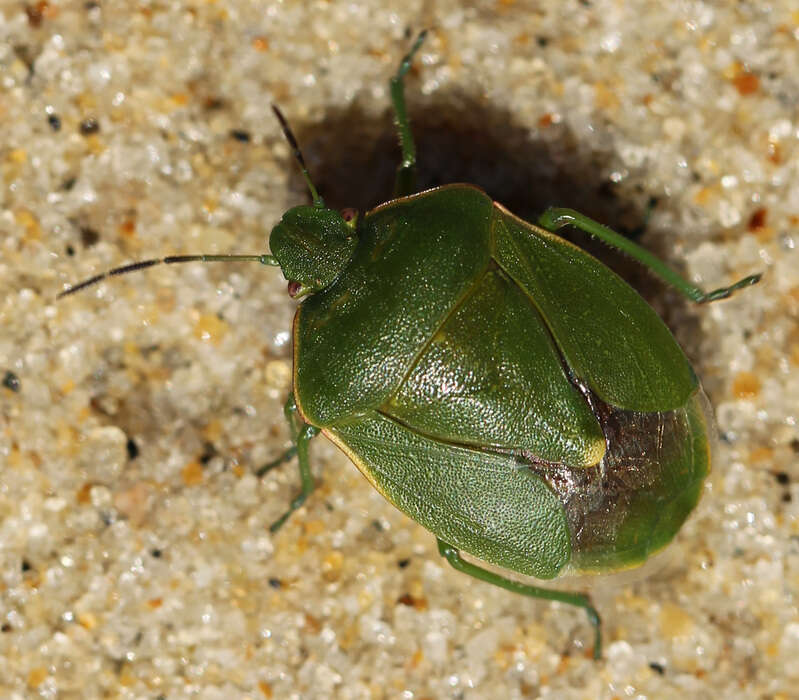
pixel 289 134
pixel 169 260
pixel 173 259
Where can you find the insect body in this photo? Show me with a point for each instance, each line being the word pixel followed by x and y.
pixel 499 409
pixel 497 384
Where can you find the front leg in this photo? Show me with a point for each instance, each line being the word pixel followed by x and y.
pixel 307 433
pixel 301 435
pixel 295 425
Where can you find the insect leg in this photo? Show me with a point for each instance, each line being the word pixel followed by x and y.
pixel 301 435
pixel 405 182
pixel 580 600
pixel 282 459
pixel 306 434
pixel 553 219
pixel 295 424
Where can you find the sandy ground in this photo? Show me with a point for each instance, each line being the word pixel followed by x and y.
pixel 135 555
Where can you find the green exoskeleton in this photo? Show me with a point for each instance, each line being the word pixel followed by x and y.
pixel 496 383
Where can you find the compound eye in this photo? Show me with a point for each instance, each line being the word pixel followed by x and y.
pixel 350 216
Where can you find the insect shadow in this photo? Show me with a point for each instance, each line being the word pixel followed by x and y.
pixel 352 157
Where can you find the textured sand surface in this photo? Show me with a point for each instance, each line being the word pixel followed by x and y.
pixel 135 555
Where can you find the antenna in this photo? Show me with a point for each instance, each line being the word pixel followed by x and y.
pixel 169 260
pixel 289 134
pixel 174 259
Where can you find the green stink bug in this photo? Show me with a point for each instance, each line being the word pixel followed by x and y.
pixel 494 382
